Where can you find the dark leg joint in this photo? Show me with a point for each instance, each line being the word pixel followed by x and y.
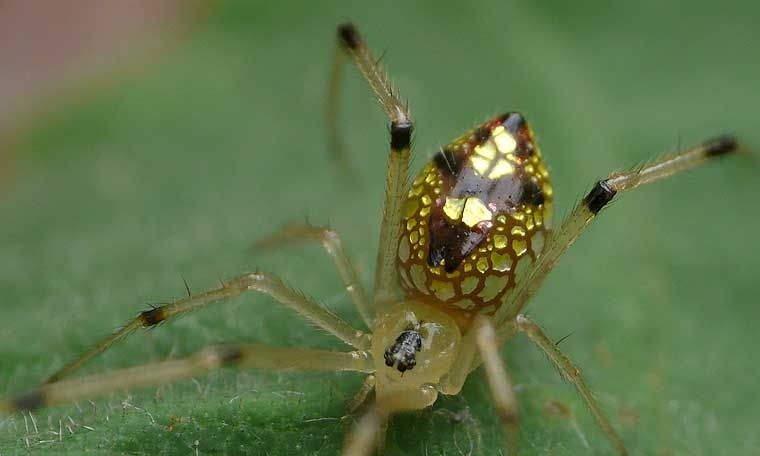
pixel 401 135
pixel 509 417
pixel 230 355
pixel 599 196
pixel 152 317
pixel 349 36
pixel 29 401
pixel 721 145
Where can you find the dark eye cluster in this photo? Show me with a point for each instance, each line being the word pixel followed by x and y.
pixel 402 353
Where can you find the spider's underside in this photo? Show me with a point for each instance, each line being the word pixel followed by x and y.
pixel 468 242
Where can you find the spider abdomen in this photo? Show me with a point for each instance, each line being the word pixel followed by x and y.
pixel 475 218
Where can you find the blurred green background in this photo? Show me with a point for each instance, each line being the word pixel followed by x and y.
pixel 172 166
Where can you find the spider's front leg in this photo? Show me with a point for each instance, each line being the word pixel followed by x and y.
pixel 599 197
pixel 507 316
pixel 264 283
pixel 401 127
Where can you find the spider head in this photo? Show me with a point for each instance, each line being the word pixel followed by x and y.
pixel 413 344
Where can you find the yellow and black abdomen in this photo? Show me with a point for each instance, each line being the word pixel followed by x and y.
pixel 475 218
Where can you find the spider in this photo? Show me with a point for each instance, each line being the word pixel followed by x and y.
pixel 463 247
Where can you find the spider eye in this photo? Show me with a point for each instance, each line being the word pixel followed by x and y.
pixel 402 353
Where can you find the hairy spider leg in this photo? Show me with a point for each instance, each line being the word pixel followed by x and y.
pixel 366 435
pixel 264 283
pixel 572 374
pixel 371 429
pixel 207 359
pixel 332 244
pixel 401 127
pixel 499 383
pixel 335 144
pixel 600 196
pixel 477 348
pixel 361 396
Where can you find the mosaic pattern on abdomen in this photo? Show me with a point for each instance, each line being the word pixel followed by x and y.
pixel 475 218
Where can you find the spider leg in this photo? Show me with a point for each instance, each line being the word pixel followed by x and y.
pixel 452 383
pixel 362 394
pixel 264 283
pixel 335 145
pixel 573 375
pixel 401 127
pixel 210 358
pixel 332 244
pixel 599 196
pixel 366 434
pixel 372 427
pixel 468 358
pixel 499 382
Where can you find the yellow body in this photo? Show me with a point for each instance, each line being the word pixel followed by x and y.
pixel 474 192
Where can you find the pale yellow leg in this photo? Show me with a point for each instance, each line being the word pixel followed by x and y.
pixel 573 375
pixel 602 193
pixel 331 242
pixel 370 431
pixel 362 394
pixel 364 438
pixel 468 359
pixel 499 382
pixel 265 283
pixel 251 356
pixel 335 146
pixel 452 383
pixel 401 129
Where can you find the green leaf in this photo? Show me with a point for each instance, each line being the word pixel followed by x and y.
pixel 177 169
